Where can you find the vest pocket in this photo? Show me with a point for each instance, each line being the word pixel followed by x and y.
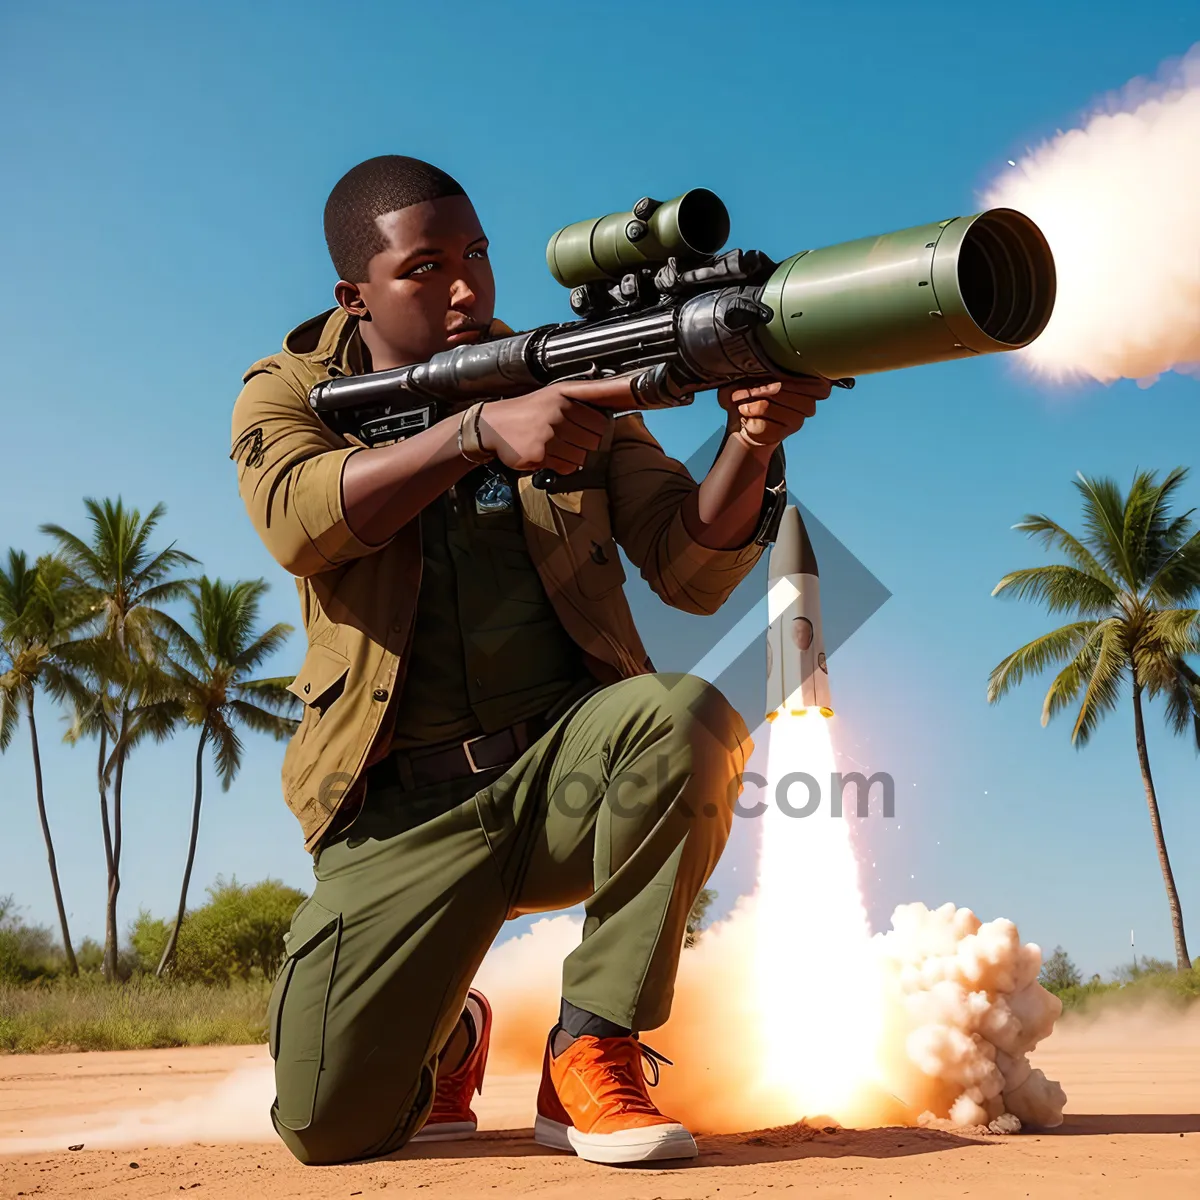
pixel 297 1011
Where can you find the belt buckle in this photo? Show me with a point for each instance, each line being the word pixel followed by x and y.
pixel 466 749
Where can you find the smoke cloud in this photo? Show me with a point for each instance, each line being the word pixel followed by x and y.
pixel 961 1010
pixel 1117 200
pixel 964 1010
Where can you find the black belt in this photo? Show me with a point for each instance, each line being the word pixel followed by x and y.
pixel 410 769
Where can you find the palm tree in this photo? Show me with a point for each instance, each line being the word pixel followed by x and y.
pixel 122 583
pixel 210 674
pixel 37 615
pixel 1129 580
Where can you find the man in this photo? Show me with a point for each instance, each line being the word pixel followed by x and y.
pixel 483 733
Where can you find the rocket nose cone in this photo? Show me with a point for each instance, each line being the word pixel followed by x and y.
pixel 792 553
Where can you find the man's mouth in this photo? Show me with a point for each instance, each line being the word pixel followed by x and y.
pixel 463 334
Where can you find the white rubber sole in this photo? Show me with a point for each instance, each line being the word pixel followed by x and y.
pixel 552 1133
pixel 447 1131
pixel 647 1144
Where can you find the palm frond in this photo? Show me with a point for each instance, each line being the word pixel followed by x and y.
pixel 1104 520
pixel 227 750
pixel 263 646
pixel 1054 537
pixel 82 561
pixel 189 653
pixel 1171 632
pixel 157 720
pixel 1060 588
pixel 1068 683
pixel 1034 657
pixel 9 713
pixel 1183 702
pixel 1104 686
pixel 260 720
pixel 17 584
pixel 1176 579
pixel 165 592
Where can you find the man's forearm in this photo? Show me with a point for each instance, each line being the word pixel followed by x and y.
pixel 385 488
pixel 723 513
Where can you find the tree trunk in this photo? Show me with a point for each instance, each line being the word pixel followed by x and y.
pixel 111 932
pixel 102 784
pixel 1181 954
pixel 68 949
pixel 169 949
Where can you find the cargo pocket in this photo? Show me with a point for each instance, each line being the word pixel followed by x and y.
pixel 297 1011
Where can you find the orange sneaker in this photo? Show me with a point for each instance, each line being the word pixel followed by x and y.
pixel 600 1088
pixel 551 1124
pixel 451 1118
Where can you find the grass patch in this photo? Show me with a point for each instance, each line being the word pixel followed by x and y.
pixel 142 1014
pixel 1178 988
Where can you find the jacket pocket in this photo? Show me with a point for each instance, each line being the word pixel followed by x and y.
pixel 297 1012
pixel 598 568
pixel 321 678
pixel 587 530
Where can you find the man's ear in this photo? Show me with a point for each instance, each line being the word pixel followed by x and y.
pixel 350 298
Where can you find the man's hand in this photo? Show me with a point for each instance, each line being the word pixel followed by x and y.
pixel 762 415
pixel 555 426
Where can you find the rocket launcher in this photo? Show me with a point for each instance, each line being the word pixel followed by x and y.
pixel 655 296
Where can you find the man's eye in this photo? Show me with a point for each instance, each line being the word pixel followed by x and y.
pixel 478 252
pixel 423 269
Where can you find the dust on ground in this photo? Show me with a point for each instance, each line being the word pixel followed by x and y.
pixel 195 1119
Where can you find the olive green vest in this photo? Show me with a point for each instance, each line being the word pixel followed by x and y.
pixel 487 648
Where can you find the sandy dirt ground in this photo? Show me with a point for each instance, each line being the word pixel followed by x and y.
pixel 155 1123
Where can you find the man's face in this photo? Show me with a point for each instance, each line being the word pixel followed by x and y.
pixel 432 288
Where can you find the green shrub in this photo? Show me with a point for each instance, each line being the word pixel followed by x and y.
pixel 90 955
pixel 1059 973
pixel 1152 978
pixel 27 952
pixel 238 934
pixel 147 937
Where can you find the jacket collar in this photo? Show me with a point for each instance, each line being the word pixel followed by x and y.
pixel 330 341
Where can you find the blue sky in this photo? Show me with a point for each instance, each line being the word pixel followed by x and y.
pixel 160 228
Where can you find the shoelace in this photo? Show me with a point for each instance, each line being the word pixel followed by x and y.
pixel 626 1094
pixel 653 1057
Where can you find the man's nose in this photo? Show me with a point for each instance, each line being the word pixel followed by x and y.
pixel 462 295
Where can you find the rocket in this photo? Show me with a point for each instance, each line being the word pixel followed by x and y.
pixel 797 675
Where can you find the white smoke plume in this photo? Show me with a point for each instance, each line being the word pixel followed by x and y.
pixel 965 1009
pixel 1119 201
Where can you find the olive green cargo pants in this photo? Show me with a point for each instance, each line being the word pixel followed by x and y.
pixel 625 804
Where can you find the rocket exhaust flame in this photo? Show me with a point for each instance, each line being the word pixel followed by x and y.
pixel 810 923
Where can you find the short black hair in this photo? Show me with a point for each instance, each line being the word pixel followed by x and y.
pixel 375 187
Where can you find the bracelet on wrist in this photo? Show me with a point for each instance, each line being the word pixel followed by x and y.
pixel 470 442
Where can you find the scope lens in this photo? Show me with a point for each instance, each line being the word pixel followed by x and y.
pixel 703 221
pixel 1006 276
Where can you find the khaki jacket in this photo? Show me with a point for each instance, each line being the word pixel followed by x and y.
pixel 358 601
